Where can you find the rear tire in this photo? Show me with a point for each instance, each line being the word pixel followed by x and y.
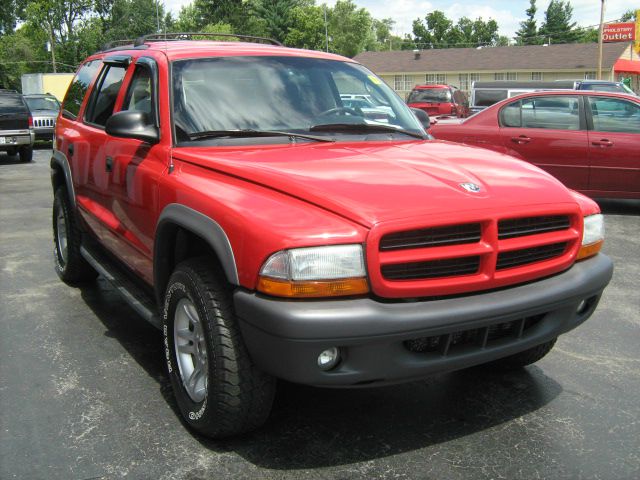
pixel 70 266
pixel 522 359
pixel 219 391
pixel 26 154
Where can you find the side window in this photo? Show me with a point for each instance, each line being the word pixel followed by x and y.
pixel 510 115
pixel 103 100
pixel 140 95
pixel 553 112
pixel 614 115
pixel 78 89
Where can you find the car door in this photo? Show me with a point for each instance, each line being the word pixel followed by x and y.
pixel 132 179
pixel 549 132
pixel 614 146
pixel 93 196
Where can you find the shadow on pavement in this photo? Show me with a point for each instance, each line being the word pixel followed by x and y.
pixel 313 427
pixel 619 206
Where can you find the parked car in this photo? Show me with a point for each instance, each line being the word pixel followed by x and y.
pixel 485 94
pixel 588 140
pixel 439 100
pixel 364 102
pixel 16 132
pixel 44 110
pixel 271 232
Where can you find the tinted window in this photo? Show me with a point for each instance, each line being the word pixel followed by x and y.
pixel 615 115
pixel 42 103
pixel 486 98
pixel 435 95
pixel 140 96
pixel 11 104
pixel 78 88
pixel 104 100
pixel 557 113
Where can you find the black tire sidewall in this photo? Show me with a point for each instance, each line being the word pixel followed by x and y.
pixel 181 285
pixel 59 204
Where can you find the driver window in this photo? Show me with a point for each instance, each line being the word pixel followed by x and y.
pixel 139 96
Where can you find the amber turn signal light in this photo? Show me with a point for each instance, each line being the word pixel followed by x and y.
pixel 587 251
pixel 313 289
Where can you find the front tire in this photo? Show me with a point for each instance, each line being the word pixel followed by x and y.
pixel 70 266
pixel 219 391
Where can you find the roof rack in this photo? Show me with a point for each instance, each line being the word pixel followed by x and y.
pixel 7 90
pixel 175 36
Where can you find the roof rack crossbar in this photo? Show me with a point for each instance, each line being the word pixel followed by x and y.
pixel 117 43
pixel 174 36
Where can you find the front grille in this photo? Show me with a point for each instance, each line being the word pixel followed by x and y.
pixel 44 122
pixel 432 269
pixel 476 338
pixel 432 237
pixel 519 227
pixel 525 256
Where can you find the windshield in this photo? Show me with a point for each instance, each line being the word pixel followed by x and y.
pixel 42 103
pixel 291 94
pixel 436 95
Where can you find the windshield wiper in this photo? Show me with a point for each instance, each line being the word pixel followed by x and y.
pixel 248 132
pixel 362 127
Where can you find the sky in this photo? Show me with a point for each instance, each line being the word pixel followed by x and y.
pixel 508 13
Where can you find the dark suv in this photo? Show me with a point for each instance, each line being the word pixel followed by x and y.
pixel 16 132
pixel 439 100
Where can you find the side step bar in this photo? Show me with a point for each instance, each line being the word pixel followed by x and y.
pixel 135 296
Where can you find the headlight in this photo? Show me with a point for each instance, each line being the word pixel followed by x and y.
pixel 592 236
pixel 335 270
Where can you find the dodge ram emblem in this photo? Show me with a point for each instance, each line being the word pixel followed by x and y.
pixel 470 187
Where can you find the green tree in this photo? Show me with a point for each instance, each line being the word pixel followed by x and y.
pixel 349 28
pixel 528 33
pixel 129 19
pixel 276 15
pixel 211 12
pixel 307 30
pixel 628 16
pixel 558 23
pixel 434 31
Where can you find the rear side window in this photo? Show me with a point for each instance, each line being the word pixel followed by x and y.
pixel 614 115
pixel 78 89
pixel 103 100
pixel 556 113
pixel 12 104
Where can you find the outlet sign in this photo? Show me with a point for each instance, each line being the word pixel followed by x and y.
pixel 619 32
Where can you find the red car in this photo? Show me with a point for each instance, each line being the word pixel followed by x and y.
pixel 270 230
pixel 588 140
pixel 439 100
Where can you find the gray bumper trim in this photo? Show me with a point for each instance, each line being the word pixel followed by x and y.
pixel 285 337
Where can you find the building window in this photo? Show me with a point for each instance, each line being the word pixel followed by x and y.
pixel 589 75
pixel 402 83
pixel 505 76
pixel 435 78
pixel 467 79
pixel 536 75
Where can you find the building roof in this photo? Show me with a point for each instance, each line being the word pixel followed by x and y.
pixel 527 57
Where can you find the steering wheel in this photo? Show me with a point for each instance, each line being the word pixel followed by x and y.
pixel 338 110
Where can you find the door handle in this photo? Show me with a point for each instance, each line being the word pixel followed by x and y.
pixel 521 139
pixel 602 143
pixel 108 164
pixel 70 149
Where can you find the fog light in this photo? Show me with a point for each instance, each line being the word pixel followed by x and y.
pixel 329 358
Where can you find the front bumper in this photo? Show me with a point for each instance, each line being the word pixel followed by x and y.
pixel 44 133
pixel 284 338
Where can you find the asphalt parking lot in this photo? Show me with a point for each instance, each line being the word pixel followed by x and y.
pixel 83 393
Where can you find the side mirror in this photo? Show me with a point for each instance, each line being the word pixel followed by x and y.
pixel 423 117
pixel 132 124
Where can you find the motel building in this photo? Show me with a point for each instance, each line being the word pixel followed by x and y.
pixel 402 70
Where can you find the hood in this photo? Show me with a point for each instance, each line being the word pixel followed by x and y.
pixel 44 113
pixel 375 182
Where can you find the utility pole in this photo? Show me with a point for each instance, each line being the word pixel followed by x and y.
pixel 600 40
pixel 52 48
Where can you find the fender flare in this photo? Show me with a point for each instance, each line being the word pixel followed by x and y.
pixel 60 159
pixel 203 226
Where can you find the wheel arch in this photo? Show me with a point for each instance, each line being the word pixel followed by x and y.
pixel 61 175
pixel 183 232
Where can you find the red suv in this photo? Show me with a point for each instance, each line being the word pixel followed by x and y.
pixel 439 100
pixel 271 231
